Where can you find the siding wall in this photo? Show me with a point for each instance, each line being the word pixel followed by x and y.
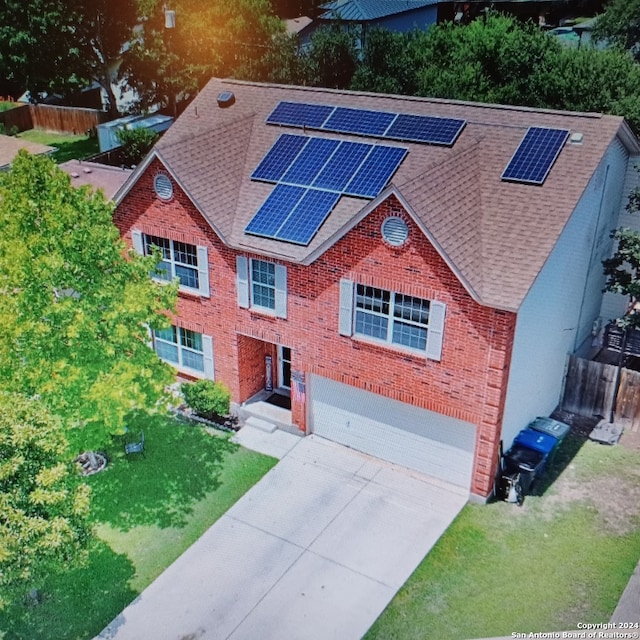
pixel 467 384
pixel 558 313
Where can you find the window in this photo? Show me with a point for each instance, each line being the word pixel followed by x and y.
pixel 187 262
pixel 262 285
pixel 185 349
pixel 179 260
pixel 391 317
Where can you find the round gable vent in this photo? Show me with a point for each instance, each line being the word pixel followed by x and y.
pixel 226 99
pixel 163 186
pixel 395 231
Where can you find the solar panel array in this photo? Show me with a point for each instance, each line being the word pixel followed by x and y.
pixel 535 155
pixel 311 174
pixel 366 122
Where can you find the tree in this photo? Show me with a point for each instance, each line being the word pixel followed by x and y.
pixel 43 504
pixel 224 38
pixel 496 59
pixel 61 46
pixel 75 305
pixel 622 270
pixel 620 25
pixel 387 63
pixel 332 57
pixel 136 143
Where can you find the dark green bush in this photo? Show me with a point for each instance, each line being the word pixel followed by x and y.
pixel 207 398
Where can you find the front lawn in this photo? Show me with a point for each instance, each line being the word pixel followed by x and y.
pixel 147 511
pixel 69 147
pixel 563 558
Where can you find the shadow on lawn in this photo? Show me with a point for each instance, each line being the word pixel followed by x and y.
pixel 182 464
pixel 77 603
pixel 78 149
pixel 580 429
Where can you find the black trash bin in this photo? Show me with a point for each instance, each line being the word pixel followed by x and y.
pixel 525 461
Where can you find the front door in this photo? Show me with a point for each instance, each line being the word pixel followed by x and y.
pixel 284 367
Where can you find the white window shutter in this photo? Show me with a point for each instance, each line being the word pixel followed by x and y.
pixel 435 332
pixel 345 320
pixel 207 351
pixel 281 291
pixel 203 272
pixel 242 281
pixel 136 239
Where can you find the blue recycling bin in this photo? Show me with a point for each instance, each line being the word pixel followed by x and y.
pixel 526 460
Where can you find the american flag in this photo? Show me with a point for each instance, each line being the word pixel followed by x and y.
pixel 298 386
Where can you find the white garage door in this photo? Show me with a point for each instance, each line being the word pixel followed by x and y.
pixel 401 433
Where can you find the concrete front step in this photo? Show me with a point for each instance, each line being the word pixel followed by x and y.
pixel 259 423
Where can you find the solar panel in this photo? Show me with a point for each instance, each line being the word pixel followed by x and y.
pixel 535 155
pixel 274 210
pixel 361 121
pixel 299 114
pixel 342 166
pixel 279 157
pixel 307 217
pixel 310 161
pixel 425 129
pixel 375 172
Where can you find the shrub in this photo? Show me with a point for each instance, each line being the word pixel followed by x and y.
pixel 136 143
pixel 207 398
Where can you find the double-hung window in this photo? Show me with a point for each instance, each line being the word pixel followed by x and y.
pixel 186 349
pixel 186 262
pixel 391 317
pixel 262 285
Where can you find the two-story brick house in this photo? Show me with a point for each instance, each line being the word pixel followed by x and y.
pixel 414 270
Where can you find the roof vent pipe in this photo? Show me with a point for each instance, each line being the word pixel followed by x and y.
pixel 226 99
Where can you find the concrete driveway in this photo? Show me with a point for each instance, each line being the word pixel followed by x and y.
pixel 314 551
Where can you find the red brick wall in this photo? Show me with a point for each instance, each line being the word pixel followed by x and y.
pixel 469 382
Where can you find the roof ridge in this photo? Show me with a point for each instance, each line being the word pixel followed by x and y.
pixel 424 99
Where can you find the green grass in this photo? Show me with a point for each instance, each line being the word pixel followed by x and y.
pixel 147 511
pixel 5 105
pixel 563 558
pixel 69 147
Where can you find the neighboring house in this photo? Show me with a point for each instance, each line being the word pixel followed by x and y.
pixel 416 304
pixel 99 176
pixel 10 146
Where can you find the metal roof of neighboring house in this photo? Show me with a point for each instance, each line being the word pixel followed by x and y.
pixel 96 175
pixel 10 146
pixel 296 25
pixel 495 235
pixel 364 10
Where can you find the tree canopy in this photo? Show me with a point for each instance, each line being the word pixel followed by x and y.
pixel 222 38
pixel 75 306
pixel 43 504
pixel 620 25
pixel 63 45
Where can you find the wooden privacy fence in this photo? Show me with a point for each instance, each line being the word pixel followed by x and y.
pixel 52 118
pixel 589 389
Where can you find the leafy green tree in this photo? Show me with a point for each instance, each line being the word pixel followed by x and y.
pixel 332 57
pixel 620 25
pixel 221 38
pixel 588 79
pixel 495 60
pixel 387 63
pixel 622 270
pixel 75 305
pixel 63 45
pixel 136 143
pixel 43 504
